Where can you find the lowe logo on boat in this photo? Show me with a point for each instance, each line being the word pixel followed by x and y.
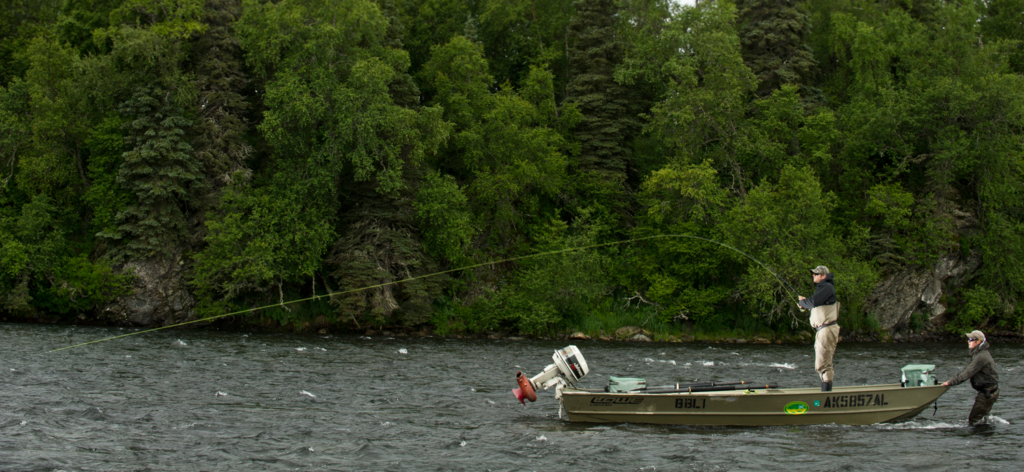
pixel 608 401
pixel 795 408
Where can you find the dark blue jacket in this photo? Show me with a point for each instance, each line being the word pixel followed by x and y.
pixel 824 294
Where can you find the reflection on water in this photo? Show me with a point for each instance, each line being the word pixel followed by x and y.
pixel 182 400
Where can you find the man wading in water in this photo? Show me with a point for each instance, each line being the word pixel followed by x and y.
pixel 982 372
pixel 824 315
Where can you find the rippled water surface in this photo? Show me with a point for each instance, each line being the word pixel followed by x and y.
pixel 211 400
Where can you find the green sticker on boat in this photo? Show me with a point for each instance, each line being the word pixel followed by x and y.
pixel 795 408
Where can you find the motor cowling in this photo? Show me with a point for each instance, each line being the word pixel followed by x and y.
pixel 568 368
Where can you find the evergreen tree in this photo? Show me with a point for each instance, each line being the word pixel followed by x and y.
pixel 162 173
pixel 773 34
pixel 220 129
pixel 609 117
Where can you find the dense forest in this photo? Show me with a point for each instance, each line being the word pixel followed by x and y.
pixel 170 160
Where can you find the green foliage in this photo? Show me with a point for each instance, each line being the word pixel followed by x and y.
pixel 263 238
pixel 1001 22
pixel 20 22
pixel 443 212
pixel 161 172
pixel 519 36
pixel 977 309
pixel 14 129
pixel 173 18
pixel 545 290
pixel 609 110
pixel 697 57
pixel 508 144
pixel 327 97
pixel 291 147
pixel 105 196
pixel 687 279
pixel 221 127
pixel 38 270
pixel 787 226
pixel 428 23
pixel 773 34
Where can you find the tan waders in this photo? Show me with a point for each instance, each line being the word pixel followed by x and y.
pixel 824 348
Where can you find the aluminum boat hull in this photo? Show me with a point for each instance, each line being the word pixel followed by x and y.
pixel 861 405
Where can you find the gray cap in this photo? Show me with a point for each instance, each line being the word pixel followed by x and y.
pixel 976 335
pixel 820 270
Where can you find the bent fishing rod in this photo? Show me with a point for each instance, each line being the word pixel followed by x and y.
pixel 449 271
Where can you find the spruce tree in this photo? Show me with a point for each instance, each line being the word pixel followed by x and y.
pixel 773 36
pixel 160 170
pixel 609 118
pixel 221 126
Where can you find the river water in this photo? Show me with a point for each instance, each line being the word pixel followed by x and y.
pixel 213 400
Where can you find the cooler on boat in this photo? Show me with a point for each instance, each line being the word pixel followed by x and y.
pixel 918 375
pixel 624 384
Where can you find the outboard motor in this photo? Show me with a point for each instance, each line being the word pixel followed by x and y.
pixel 569 368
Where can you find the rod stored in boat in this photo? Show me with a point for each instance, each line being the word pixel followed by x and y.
pixel 709 388
pixel 682 386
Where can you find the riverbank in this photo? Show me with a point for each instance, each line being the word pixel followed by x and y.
pixel 632 334
pixel 622 334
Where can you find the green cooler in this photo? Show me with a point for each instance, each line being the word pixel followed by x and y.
pixel 624 384
pixel 918 375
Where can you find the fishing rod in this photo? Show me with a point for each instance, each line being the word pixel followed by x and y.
pixel 715 388
pixel 684 386
pixel 449 271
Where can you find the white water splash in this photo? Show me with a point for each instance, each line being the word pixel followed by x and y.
pixel 320 349
pixel 648 359
pixel 996 420
pixel 707 363
pixel 23 423
pixel 491 402
pixel 303 392
pixel 541 438
pixel 311 450
pixel 463 443
pixel 783 366
pixel 181 343
pixel 915 425
pixel 127 357
pixel 221 394
pixel 403 351
pixel 300 349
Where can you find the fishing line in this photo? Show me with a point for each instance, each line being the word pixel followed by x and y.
pixel 474 266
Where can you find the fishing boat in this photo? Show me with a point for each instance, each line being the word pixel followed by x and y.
pixel 728 404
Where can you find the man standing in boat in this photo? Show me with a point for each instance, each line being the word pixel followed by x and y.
pixel 982 372
pixel 824 316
